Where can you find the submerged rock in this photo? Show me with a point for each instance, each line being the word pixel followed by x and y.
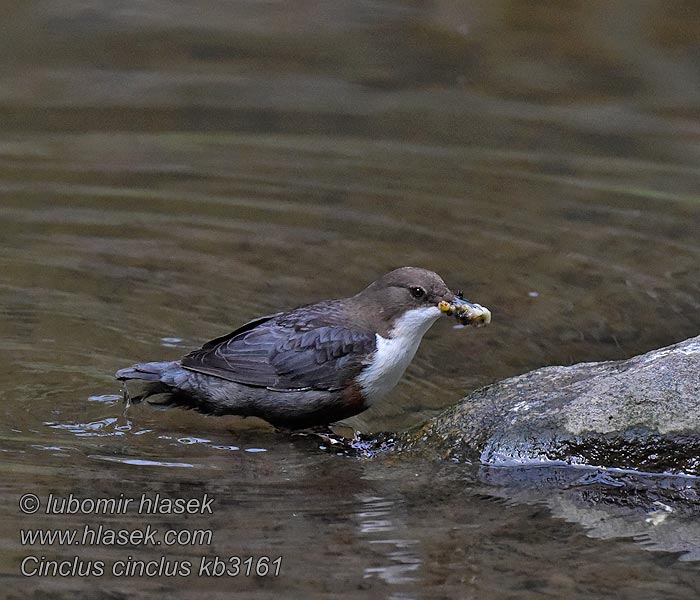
pixel 642 413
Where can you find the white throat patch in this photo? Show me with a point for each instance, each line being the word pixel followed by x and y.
pixel 394 353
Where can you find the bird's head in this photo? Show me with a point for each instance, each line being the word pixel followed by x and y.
pixel 411 299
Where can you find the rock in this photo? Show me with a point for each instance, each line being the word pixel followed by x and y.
pixel 642 413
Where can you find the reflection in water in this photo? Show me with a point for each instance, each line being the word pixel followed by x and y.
pixel 377 517
pixel 104 427
pixel 107 398
pixel 193 440
pixel 141 462
pixel 659 512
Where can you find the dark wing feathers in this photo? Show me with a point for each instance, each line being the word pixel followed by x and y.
pixel 247 327
pixel 283 353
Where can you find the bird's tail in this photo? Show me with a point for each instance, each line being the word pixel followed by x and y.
pixel 150 371
pixel 155 373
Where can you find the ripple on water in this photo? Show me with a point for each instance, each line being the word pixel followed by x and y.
pixel 568 167
pixel 142 462
pixel 150 251
pixel 377 521
pixel 107 427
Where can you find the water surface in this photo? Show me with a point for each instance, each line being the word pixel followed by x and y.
pixel 169 172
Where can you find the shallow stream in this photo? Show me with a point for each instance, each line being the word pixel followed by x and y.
pixel 170 170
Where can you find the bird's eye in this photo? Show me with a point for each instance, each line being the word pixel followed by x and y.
pixel 417 292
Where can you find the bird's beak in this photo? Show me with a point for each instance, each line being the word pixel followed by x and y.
pixel 467 313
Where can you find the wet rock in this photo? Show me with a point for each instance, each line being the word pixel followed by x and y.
pixel 642 413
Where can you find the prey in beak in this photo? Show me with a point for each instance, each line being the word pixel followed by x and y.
pixel 467 313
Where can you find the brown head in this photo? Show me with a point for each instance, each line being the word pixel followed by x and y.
pixel 420 291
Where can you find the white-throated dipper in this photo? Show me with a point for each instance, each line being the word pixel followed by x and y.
pixel 315 364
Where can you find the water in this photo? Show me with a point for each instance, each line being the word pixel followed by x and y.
pixel 168 172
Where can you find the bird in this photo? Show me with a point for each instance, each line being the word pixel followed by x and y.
pixel 316 364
